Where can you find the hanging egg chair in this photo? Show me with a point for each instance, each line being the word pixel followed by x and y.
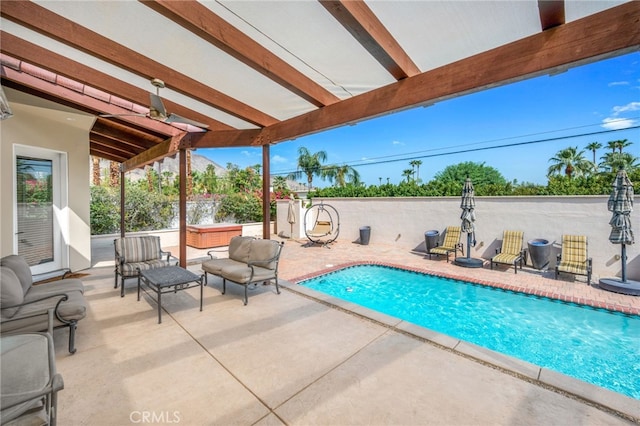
pixel 325 222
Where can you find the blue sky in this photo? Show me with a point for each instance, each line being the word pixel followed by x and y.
pixel 597 97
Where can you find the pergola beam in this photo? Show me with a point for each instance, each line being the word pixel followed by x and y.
pixel 210 27
pixel 164 149
pixel 52 25
pixel 606 34
pixel 367 29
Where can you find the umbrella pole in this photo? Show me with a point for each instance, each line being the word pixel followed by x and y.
pixel 469 245
pixel 624 263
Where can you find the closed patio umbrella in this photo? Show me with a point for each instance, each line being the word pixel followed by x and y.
pixel 468 216
pixel 621 204
pixel 291 216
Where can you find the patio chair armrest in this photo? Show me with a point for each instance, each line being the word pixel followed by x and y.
pixel 168 253
pixel 49 312
pixel 216 250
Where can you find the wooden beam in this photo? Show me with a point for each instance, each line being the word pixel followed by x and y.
pixel 606 34
pixel 229 138
pixel 367 29
pixel 84 75
pixel 551 13
pixel 52 25
pixel 201 21
pixel 80 101
pixel 182 207
pixel 158 152
pixel 266 192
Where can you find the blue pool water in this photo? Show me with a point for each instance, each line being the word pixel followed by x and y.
pixel 593 345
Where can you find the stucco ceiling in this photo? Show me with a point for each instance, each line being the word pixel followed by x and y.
pixel 263 72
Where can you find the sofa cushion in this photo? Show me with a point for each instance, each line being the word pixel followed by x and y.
pixel 214 266
pixel 131 269
pixel 239 248
pixel 241 274
pixel 10 291
pixel 72 309
pixel 68 285
pixel 21 268
pixel 262 250
pixel 139 249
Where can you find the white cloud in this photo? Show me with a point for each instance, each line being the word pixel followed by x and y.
pixel 617 123
pixel 278 159
pixel 618 83
pixel 632 106
pixel 397 143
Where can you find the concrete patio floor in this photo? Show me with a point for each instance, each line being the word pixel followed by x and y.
pixel 299 358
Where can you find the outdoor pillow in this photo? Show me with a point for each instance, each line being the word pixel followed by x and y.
pixel 10 291
pixel 21 268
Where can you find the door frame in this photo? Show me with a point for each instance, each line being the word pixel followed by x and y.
pixel 60 179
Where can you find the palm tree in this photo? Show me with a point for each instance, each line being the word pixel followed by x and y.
pixel 95 170
pixel 612 145
pixel 570 162
pixel 407 173
pixel 309 165
pixel 614 161
pixel 593 147
pixel 416 164
pixel 279 183
pixel 623 143
pixel 342 174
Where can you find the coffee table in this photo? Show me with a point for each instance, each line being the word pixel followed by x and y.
pixel 169 279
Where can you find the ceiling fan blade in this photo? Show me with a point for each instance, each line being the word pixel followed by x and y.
pixel 122 115
pixel 157 109
pixel 175 118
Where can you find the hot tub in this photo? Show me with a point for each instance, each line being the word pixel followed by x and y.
pixel 207 236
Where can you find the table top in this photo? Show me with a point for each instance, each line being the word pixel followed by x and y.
pixel 169 275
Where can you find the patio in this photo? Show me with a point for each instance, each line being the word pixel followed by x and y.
pixel 291 359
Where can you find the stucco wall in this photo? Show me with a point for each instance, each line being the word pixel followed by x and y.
pixel 59 131
pixel 403 222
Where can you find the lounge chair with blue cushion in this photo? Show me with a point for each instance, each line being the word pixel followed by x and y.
pixel 450 244
pixel 574 257
pixel 511 251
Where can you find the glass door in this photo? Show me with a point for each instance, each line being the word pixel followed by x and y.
pixel 37 196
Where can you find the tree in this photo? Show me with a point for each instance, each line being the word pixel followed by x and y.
pixel 95 170
pixel 416 165
pixel 342 174
pixel 622 143
pixel 479 173
pixel 114 173
pixel 593 147
pixel 309 165
pixel 612 145
pixel 571 162
pixel 407 173
pixel 614 161
pixel 279 183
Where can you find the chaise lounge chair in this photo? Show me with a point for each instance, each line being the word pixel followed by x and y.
pixel 574 257
pixel 450 244
pixel 511 251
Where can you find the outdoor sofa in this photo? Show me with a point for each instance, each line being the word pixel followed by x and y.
pixel 26 306
pixel 250 261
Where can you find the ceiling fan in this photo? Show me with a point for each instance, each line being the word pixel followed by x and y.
pixel 157 111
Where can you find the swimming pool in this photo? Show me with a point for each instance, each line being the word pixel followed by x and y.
pixel 593 345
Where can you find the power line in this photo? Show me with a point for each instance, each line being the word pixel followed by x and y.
pixel 537 141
